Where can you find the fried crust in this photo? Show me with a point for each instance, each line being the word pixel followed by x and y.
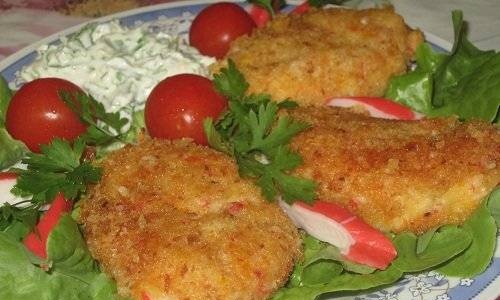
pixel 399 175
pixel 325 53
pixel 173 220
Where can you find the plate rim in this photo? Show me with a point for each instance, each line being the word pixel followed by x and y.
pixel 9 60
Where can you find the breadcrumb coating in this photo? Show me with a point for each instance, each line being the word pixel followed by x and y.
pixel 325 53
pixel 399 175
pixel 173 220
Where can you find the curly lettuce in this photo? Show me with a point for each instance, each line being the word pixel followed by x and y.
pixel 69 273
pixel 11 150
pixel 463 83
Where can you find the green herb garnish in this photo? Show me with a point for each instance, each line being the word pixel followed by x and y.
pixel 252 132
pixel 103 127
pixel 58 168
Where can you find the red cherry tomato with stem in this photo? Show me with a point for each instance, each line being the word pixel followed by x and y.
pixel 36 114
pixel 178 105
pixel 216 26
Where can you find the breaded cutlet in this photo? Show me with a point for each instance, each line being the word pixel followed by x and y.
pixel 173 220
pixel 399 175
pixel 325 53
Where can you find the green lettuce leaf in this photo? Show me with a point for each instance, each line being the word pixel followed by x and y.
pixel 424 239
pixel 463 83
pixel 11 150
pixel 494 206
pixel 137 125
pixel 325 270
pixel 463 251
pixel 447 242
pixel 5 95
pixel 478 256
pixel 72 274
pixel 321 262
pixel 343 282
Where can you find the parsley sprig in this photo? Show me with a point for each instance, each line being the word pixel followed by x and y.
pixel 10 215
pixel 58 168
pixel 252 131
pixel 103 127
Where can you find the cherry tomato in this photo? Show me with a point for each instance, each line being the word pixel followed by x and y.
pixel 178 105
pixel 36 114
pixel 216 26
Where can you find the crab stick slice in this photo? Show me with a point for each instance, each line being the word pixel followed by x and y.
pixel 356 240
pixel 301 8
pixel 36 241
pixel 258 14
pixel 261 16
pixel 7 182
pixel 377 107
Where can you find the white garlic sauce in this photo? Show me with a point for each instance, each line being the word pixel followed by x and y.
pixel 117 65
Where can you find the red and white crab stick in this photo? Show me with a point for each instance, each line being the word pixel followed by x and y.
pixel 331 223
pixel 36 241
pixel 7 182
pixel 356 240
pixel 261 16
pixel 258 14
pixel 377 107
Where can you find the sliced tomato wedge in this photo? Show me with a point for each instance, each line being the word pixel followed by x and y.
pixel 36 241
pixel 377 107
pixel 331 223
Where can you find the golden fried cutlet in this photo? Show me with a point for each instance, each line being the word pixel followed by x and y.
pixel 173 220
pixel 325 53
pixel 399 175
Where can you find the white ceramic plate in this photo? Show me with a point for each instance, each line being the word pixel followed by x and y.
pixel 176 17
